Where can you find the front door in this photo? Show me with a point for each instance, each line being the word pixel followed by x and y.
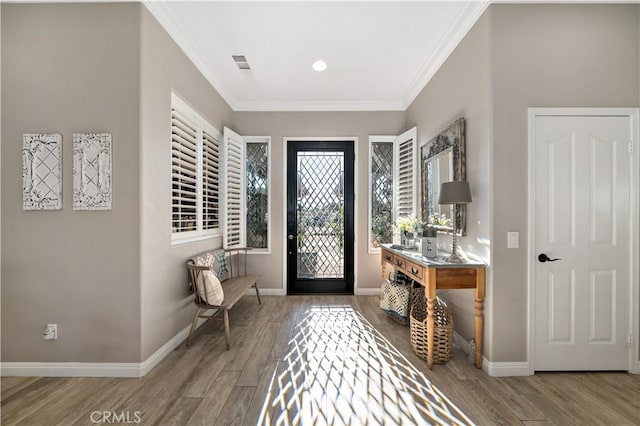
pixel 320 217
pixel 582 242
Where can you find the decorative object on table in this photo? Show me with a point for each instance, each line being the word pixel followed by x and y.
pixel 429 243
pixel 407 227
pixel 397 295
pixel 443 329
pixel 92 171
pixel 455 193
pixel 443 160
pixel 41 171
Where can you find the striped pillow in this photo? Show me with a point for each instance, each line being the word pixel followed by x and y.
pixel 209 288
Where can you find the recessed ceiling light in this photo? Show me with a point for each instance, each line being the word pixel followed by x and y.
pixel 319 66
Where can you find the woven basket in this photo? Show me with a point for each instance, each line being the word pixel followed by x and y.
pixel 443 330
pixel 397 296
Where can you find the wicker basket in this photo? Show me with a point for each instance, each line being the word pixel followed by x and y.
pixel 443 330
pixel 397 296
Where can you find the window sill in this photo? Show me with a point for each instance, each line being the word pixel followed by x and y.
pixel 195 239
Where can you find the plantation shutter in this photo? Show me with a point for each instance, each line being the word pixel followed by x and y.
pixel 184 171
pixel 235 190
pixel 405 180
pixel 210 178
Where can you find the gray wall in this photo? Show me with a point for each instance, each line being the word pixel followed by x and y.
pixel 552 56
pixel 166 305
pixel 71 68
pixel 462 88
pixel 279 125
pixel 516 57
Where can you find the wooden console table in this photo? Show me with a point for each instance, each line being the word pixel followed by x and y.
pixel 438 274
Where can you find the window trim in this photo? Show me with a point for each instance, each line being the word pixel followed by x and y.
pixel 375 139
pixel 267 140
pixel 200 234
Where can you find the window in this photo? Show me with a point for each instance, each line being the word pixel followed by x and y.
pixel 257 193
pixel 392 184
pixel 380 190
pixel 195 197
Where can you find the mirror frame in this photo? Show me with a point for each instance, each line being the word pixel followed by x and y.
pixel 453 136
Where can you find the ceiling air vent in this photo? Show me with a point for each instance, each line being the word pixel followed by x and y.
pixel 241 62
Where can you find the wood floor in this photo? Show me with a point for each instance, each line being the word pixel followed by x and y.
pixel 207 385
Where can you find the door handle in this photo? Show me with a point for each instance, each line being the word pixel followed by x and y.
pixel 291 237
pixel 544 258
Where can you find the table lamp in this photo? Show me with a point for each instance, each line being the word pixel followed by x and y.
pixel 455 193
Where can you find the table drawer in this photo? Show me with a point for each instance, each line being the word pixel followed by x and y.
pixel 387 256
pixel 399 262
pixel 415 271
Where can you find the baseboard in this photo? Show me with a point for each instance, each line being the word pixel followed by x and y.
pixel 95 369
pixel 505 369
pixel 367 291
pixel 494 369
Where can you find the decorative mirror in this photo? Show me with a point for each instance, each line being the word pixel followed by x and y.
pixel 442 159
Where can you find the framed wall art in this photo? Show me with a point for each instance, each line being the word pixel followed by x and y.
pixel 41 171
pixel 92 171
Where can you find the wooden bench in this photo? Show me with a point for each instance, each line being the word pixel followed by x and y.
pixel 234 288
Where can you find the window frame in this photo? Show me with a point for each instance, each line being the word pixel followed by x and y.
pixel 377 139
pixel 266 140
pixel 202 125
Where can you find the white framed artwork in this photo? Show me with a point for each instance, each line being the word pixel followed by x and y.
pixel 41 171
pixel 92 171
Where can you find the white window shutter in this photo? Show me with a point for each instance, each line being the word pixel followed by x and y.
pixel 184 170
pixel 235 190
pixel 210 178
pixel 405 176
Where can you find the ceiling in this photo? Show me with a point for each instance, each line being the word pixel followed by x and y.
pixel 380 54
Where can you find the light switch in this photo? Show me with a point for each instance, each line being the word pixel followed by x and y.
pixel 513 239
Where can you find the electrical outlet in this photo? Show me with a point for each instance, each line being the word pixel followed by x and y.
pixel 513 239
pixel 50 332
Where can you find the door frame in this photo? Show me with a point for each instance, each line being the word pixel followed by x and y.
pixel 283 237
pixel 634 223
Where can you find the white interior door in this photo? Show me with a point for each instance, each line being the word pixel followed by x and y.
pixel 582 196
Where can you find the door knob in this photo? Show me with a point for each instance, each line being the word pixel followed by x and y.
pixel 544 258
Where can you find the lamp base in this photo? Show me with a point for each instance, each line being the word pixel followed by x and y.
pixel 454 258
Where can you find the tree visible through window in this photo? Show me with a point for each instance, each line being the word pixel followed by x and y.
pixel 257 194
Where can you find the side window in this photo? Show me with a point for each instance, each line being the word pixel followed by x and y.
pixel 380 190
pixel 257 168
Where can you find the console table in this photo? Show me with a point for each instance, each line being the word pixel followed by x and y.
pixel 438 274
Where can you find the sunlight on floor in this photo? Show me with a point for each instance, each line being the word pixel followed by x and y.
pixel 342 371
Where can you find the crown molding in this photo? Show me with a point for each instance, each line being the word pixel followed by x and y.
pixel 176 31
pixel 456 32
pixel 319 106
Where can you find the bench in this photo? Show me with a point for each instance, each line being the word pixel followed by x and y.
pixel 234 287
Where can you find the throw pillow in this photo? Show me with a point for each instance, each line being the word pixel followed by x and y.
pixel 209 288
pixel 219 265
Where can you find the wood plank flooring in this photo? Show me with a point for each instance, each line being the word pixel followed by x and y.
pixel 207 385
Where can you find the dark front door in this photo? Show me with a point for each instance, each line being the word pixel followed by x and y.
pixel 320 217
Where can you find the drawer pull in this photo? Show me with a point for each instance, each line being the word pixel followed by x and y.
pixel 415 271
pixel 399 262
pixel 388 258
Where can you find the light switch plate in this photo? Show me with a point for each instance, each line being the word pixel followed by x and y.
pixel 513 239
